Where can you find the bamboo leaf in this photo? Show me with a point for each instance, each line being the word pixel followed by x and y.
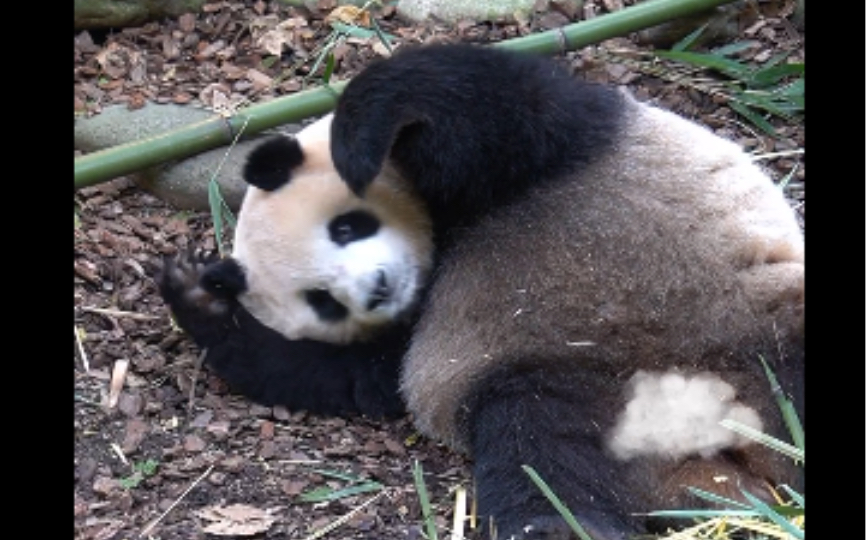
pixel 724 65
pixel 687 42
pixel 358 31
pixel 326 52
pixel 767 102
pixel 753 117
pixel 733 48
pixel 769 76
pixel 329 68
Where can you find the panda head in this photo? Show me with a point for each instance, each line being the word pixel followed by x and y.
pixel 311 259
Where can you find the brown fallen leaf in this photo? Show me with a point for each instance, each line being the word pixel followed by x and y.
pixel 237 519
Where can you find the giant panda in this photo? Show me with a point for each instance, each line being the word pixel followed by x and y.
pixel 606 279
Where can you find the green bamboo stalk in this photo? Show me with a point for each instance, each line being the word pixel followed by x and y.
pixel 631 19
pixel 218 131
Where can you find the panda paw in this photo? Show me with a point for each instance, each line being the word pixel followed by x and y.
pixel 182 282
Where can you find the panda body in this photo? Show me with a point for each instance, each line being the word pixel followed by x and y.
pixel 598 281
pixel 636 250
pixel 609 277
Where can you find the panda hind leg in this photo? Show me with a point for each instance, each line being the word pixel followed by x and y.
pixel 542 418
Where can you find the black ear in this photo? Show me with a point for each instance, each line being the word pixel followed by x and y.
pixel 269 166
pixel 224 279
pixel 362 136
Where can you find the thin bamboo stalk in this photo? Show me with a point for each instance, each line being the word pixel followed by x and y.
pixel 218 131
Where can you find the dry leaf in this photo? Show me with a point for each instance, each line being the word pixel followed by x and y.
pixel 273 38
pixel 349 14
pixel 237 519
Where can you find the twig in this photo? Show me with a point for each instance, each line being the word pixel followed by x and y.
pixel 459 514
pixel 783 153
pixel 119 453
pixel 118 377
pixel 195 371
pixel 119 313
pixel 84 361
pixel 345 517
pixel 159 518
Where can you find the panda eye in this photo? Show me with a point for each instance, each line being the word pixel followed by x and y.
pixel 352 226
pixel 325 305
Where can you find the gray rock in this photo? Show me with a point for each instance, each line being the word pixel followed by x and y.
pixel 183 184
pixel 723 25
pixel 121 13
pixel 455 10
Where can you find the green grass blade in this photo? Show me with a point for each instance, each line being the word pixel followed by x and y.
pixel 338 475
pixel 789 414
pixel 774 516
pixel 327 494
pixel 780 446
pixel 424 501
pixel 698 514
pixel 557 503
pixel 718 499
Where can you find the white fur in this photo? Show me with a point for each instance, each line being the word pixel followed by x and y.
pixel 674 415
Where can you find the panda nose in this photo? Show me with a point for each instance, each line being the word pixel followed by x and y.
pixel 381 291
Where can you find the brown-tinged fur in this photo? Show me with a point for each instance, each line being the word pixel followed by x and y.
pixel 630 266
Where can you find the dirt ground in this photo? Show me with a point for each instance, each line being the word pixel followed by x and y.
pixel 159 461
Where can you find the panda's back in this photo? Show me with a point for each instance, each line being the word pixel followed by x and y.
pixel 671 250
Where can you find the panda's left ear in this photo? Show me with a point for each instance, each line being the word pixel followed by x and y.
pixel 224 279
pixel 269 166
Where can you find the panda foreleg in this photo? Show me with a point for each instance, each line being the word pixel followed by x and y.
pixel 264 366
pixel 320 378
pixel 544 419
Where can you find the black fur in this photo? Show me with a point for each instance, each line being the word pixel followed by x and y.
pixel 533 416
pixel 485 147
pixel 264 366
pixel 269 166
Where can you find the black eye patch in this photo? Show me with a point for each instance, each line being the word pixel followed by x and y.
pixel 352 226
pixel 325 305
